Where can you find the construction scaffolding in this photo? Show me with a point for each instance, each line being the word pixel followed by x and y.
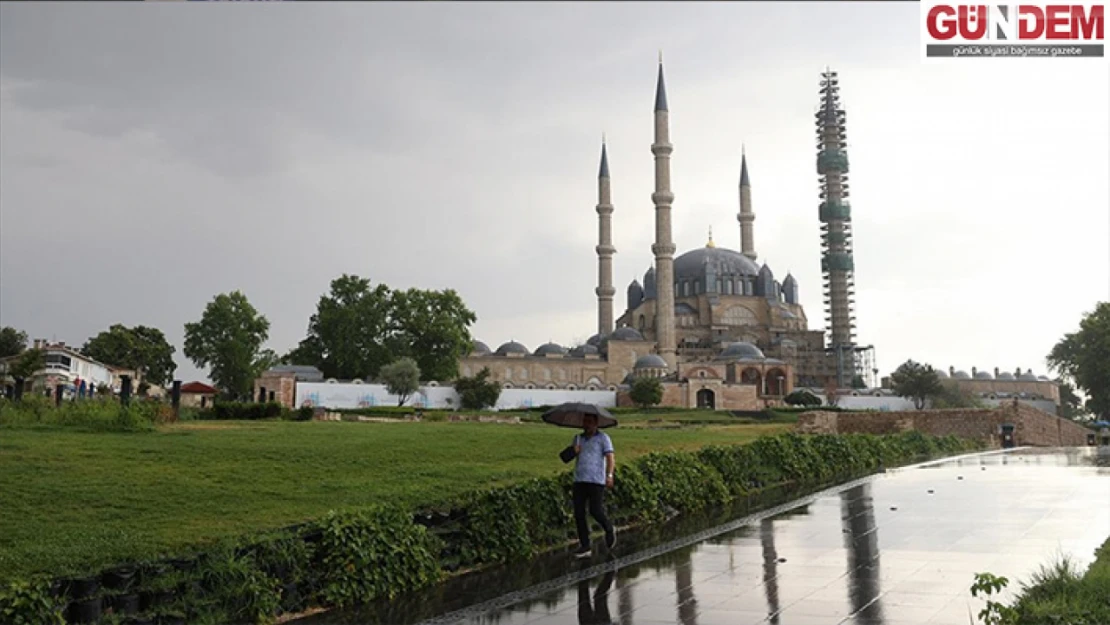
pixel 835 214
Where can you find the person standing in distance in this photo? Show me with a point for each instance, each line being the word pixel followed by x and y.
pixel 593 473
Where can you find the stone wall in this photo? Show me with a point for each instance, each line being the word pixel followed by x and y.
pixel 1031 426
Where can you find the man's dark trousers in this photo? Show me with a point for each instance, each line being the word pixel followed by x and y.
pixel 591 496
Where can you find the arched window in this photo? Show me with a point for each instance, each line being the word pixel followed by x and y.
pixel 550 387
pixel 507 385
pixel 529 386
pixel 685 289
pixel 643 322
pixel 739 316
pixel 572 387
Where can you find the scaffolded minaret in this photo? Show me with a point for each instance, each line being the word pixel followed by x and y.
pixel 835 214
pixel 664 247
pixel 605 249
pixel 746 216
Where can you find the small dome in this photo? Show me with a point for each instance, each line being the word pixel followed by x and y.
pixel 1043 378
pixel 1005 375
pixel 512 347
pixel 550 348
pixel 478 347
pixel 741 350
pixel 961 375
pixel 983 375
pixel 583 350
pixel 941 373
pixel 625 334
pixel 594 340
pixel 789 281
pixel 650 361
pixel 1027 377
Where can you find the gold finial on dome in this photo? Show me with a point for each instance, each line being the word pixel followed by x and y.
pixel 710 243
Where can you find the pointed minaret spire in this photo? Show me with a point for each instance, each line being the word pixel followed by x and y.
pixel 664 247
pixel 604 171
pixel 660 88
pixel 605 250
pixel 746 216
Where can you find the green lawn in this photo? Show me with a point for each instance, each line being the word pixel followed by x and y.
pixel 71 500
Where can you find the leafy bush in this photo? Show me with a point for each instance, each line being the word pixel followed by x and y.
pixel 646 392
pixel 97 415
pixel 30 602
pixel 246 411
pixel 379 553
pixel 478 392
pixel 802 397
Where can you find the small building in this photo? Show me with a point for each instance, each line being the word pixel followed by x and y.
pixel 65 366
pixel 279 384
pixel 198 395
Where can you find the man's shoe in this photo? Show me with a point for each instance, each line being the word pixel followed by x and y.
pixel 611 540
pixel 583 552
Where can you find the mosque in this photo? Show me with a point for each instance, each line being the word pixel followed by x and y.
pixel 713 324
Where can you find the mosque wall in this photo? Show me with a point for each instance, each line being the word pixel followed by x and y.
pixel 1031 426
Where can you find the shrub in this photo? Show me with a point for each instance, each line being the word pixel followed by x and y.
pixel 802 398
pixel 245 411
pixel 646 392
pixel 98 415
pixel 478 392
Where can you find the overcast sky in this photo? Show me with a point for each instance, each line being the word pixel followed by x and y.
pixel 154 155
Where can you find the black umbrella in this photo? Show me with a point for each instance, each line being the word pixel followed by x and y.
pixel 570 415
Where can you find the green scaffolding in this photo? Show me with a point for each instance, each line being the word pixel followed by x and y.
pixel 832 160
pixel 835 211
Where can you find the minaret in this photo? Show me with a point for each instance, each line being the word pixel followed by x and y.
pixel 746 216
pixel 835 215
pixel 605 249
pixel 664 247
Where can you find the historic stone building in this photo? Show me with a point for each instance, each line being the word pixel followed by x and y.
pixel 1002 384
pixel 714 324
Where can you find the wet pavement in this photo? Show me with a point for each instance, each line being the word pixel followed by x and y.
pixel 899 548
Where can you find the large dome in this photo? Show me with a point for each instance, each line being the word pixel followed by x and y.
pixel 741 350
pixel 724 261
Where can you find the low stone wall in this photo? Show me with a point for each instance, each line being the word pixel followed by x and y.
pixel 1031 426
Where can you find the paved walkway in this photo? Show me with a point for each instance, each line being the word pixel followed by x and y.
pixel 900 549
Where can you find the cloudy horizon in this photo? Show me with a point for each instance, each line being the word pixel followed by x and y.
pixel 155 155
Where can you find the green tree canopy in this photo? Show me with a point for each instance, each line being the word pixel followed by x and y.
pixel 646 392
pixel 433 328
pixel 477 392
pixel 27 363
pixel 12 341
pixel 401 378
pixel 916 381
pixel 228 341
pixel 1071 404
pixel 358 328
pixel 1083 358
pixel 140 348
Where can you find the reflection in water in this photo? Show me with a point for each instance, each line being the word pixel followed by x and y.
pixel 625 601
pixel 770 568
pixel 684 584
pixel 597 612
pixel 861 539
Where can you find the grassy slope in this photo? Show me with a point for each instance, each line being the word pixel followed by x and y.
pixel 1061 594
pixel 71 499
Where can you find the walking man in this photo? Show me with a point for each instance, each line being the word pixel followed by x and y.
pixel 593 473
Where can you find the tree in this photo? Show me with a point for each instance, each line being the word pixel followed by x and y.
pixel 477 392
pixel 952 396
pixel 1082 358
pixel 432 327
pixel 402 378
pixel 646 392
pixel 12 341
pixel 916 381
pixel 858 382
pixel 228 340
pixel 802 397
pixel 359 328
pixel 346 334
pixel 141 348
pixel 27 363
pixel 1071 404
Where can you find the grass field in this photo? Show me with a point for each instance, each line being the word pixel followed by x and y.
pixel 74 500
